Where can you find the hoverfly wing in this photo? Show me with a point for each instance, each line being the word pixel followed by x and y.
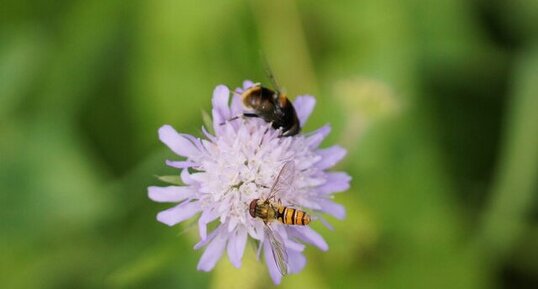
pixel 284 179
pixel 277 248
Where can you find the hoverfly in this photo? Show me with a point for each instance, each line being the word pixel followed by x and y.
pixel 270 210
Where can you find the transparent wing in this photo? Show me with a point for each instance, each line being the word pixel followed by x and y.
pixel 269 72
pixel 283 180
pixel 278 250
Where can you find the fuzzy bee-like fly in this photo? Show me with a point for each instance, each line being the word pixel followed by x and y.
pixel 272 106
pixel 269 210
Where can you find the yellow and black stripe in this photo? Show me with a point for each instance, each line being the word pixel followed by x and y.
pixel 291 216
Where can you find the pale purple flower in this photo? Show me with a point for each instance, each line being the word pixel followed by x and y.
pixel 238 164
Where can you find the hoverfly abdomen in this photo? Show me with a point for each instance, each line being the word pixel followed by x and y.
pixel 292 216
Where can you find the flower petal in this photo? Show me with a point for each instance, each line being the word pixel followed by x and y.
pixel 207 217
pixel 296 261
pixel 221 95
pixel 169 194
pixel 330 156
pixel 236 107
pixel 336 182
pixel 310 236
pixel 180 164
pixel 332 208
pixel 304 105
pixel 177 143
pixel 209 136
pixel 221 111
pixel 209 238
pixel 236 246
pixel 271 264
pixel 326 223
pixel 316 137
pixel 186 177
pixel 178 213
pixel 212 253
pixel 294 246
pixel 247 84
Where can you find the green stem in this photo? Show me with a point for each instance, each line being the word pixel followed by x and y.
pixel 516 179
pixel 283 41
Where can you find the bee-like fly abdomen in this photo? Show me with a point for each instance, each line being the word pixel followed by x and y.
pixel 272 106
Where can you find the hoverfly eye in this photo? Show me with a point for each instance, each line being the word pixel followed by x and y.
pixel 252 208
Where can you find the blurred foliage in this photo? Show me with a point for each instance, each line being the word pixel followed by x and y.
pixel 435 101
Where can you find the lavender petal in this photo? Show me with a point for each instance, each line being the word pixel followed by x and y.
pixel 208 239
pixel 296 261
pixel 169 194
pixel 247 84
pixel 178 213
pixel 310 236
pixel 332 208
pixel 221 96
pixel 336 182
pixel 236 246
pixel 326 223
pixel 212 254
pixel 209 136
pixel 318 136
pixel 206 218
pixel 186 177
pixel 177 143
pixel 330 156
pixel 180 164
pixel 221 111
pixel 304 105
pixel 236 107
pixel 294 246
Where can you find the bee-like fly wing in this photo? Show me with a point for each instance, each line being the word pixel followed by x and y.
pixel 284 180
pixel 269 72
pixel 279 251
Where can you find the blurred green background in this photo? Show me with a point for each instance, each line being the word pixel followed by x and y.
pixel 436 102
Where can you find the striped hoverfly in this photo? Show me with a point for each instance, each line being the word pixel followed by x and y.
pixel 270 210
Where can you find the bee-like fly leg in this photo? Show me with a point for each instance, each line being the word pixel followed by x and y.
pixel 250 114
pixel 264 133
pixel 231 119
pixel 240 116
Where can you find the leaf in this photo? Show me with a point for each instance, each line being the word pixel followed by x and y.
pixel 173 179
pixel 208 122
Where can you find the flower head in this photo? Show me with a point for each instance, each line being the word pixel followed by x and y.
pixel 223 172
